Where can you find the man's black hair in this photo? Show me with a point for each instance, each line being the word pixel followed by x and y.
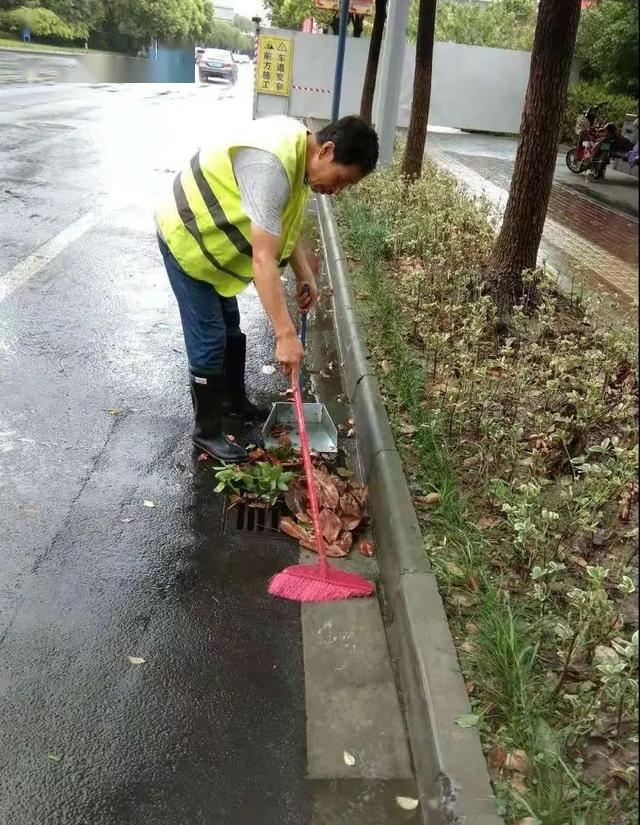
pixel 355 141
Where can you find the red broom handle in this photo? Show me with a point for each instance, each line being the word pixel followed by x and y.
pixel 308 471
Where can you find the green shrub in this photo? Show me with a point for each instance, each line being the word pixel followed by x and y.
pixel 432 220
pixel 582 95
pixel 42 23
pixel 521 453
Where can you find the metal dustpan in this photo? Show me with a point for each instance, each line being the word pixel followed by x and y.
pixel 321 431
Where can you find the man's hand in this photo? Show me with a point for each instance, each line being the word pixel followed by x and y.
pixel 305 266
pixel 306 293
pixel 289 353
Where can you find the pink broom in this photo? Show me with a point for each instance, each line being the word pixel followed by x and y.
pixel 315 582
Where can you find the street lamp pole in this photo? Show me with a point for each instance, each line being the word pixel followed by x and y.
pixel 337 82
pixel 256 21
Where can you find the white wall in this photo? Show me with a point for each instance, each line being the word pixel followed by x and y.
pixel 473 87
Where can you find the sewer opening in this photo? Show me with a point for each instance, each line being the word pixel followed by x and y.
pixel 243 519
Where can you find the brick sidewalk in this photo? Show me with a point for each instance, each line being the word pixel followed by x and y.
pixel 582 239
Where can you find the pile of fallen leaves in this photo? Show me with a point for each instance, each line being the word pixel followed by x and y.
pixel 342 504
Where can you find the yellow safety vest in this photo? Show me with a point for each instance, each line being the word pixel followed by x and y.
pixel 202 221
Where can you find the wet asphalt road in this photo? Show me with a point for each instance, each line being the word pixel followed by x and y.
pixel 94 420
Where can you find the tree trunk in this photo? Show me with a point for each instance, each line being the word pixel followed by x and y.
pixel 517 246
pixel 369 87
pixel 358 24
pixel 414 150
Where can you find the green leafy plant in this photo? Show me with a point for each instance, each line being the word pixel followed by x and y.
pixel 261 482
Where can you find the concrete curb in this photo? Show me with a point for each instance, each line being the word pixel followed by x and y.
pixel 42 51
pixel 451 772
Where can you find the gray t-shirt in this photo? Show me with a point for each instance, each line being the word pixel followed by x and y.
pixel 264 187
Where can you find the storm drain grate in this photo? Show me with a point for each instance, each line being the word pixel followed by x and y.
pixel 254 520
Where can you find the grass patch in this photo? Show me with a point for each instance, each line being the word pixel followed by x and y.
pixel 520 448
pixel 9 41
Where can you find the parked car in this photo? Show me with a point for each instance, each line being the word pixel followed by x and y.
pixel 217 63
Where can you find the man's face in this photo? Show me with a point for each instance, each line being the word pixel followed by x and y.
pixel 328 177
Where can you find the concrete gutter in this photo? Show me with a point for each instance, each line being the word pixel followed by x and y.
pixel 451 771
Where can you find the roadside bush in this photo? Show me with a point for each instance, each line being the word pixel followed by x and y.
pixel 42 23
pixel 582 95
pixel 521 453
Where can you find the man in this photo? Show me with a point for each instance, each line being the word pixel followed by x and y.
pixel 233 218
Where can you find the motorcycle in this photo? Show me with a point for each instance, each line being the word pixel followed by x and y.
pixel 597 144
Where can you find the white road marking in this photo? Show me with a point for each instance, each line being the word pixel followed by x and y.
pixel 36 262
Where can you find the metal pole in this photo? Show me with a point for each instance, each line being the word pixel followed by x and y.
pixel 337 82
pixel 387 103
pixel 256 20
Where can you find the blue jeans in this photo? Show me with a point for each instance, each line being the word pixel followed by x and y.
pixel 207 318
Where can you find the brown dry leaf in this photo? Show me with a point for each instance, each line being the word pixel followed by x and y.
pixel 230 437
pixel 470 686
pixel 330 525
pixel 203 457
pixel 487 522
pixel 580 561
pixel 350 523
pixel 469 647
pixel 472 461
pixel 344 542
pixel 360 493
pixel 517 782
pixel 326 490
pixel 296 531
pixel 452 568
pixel 527 820
pixel 309 543
pixel 472 628
pixel 257 455
pixel 386 367
pixel 496 759
pixel 407 429
pixel 518 761
pixel 459 600
pixel 341 486
pixel 350 506
pixel 296 500
pixel 473 583
pixel 365 547
pixel 430 498
pixel 335 550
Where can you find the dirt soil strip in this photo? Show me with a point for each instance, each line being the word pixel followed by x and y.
pixel 451 771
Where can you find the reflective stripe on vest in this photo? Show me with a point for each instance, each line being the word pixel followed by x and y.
pixel 202 221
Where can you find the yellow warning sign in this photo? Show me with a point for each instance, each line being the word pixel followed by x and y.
pixel 273 72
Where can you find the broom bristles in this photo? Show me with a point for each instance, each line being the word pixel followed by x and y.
pixel 309 583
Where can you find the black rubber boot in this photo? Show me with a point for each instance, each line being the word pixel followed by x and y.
pixel 208 395
pixel 235 358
